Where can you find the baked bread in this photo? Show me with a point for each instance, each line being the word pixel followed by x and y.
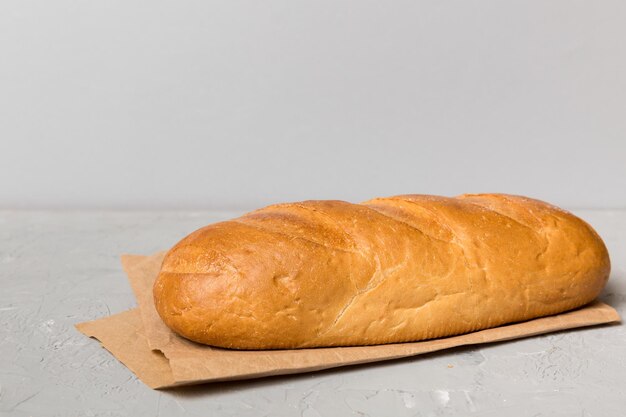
pixel 389 270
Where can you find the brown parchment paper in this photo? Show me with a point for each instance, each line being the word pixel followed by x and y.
pixel 160 358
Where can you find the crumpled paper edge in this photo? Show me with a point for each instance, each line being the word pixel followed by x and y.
pixel 124 335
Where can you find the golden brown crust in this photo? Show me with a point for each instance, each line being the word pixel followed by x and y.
pixel 397 269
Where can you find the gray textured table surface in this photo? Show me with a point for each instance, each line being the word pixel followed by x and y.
pixel 60 268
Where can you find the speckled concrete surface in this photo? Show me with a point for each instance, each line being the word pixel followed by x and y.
pixel 60 268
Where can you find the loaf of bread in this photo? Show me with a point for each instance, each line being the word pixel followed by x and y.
pixel 389 270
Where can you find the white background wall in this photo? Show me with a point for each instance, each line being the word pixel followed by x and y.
pixel 237 104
